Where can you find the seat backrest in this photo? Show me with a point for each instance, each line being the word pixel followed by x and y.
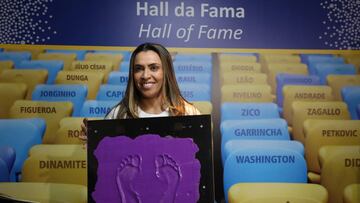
pixel 246 93
pixel 351 193
pixel 283 79
pixel 52 66
pixel 56 149
pixel 118 78
pixel 34 51
pixel 104 67
pixel 337 82
pixel 4 172
pixel 51 112
pixel 320 133
pixel 5 65
pixel 188 78
pixel 109 92
pixel 239 67
pixel 90 79
pixel 351 96
pixel 277 192
pixel 186 56
pixel 67 58
pixel 12 92
pixel 30 77
pixel 94 108
pixel 21 135
pixel 69 133
pixel 236 57
pixel 194 67
pixel 302 110
pixel 15 56
pixel 8 155
pixel 246 111
pixel 269 58
pixel 339 171
pixel 80 54
pixel 114 58
pixel 205 107
pixel 313 61
pixel 234 145
pixel 324 69
pixel 303 93
pixel 306 58
pixel 264 164
pixel 230 78
pixel 195 92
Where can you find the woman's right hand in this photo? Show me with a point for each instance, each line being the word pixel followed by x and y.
pixel 83 134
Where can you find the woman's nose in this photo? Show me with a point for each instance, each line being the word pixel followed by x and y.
pixel 146 73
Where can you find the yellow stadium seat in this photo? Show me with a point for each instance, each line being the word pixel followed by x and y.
pixel 9 93
pixel 326 133
pixel 68 134
pixel 205 107
pixel 352 193
pixel 34 51
pixel 30 77
pixel 226 58
pixel 277 192
pixel 244 79
pixel 56 149
pixel 91 79
pixel 302 110
pixel 56 168
pixel 67 58
pixel 339 171
pixel 303 93
pixel 115 59
pixel 44 192
pixel 104 67
pixel 240 67
pixel 5 65
pixel 337 82
pixel 279 58
pixel 274 69
pixel 246 93
pixel 51 112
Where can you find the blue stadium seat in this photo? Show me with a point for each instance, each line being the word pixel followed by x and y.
pixel 15 57
pixel 292 79
pixel 109 92
pixel 75 93
pixel 323 70
pixel 4 172
pixel 195 92
pixel 94 108
pixel 351 96
pixel 124 66
pixel 192 57
pixel 315 60
pixel 244 111
pixel 358 110
pixel 118 78
pixel 8 155
pixel 188 78
pixel 234 145
pixel 308 58
pixel 255 129
pixel 264 164
pixel 193 67
pixel 21 134
pixel 52 66
pixel 80 54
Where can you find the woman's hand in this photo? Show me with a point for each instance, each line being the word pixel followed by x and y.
pixel 83 134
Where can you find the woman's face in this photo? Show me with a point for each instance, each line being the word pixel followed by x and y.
pixel 148 74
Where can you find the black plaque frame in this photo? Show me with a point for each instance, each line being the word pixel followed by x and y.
pixel 196 127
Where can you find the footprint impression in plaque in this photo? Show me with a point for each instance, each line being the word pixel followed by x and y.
pixel 148 168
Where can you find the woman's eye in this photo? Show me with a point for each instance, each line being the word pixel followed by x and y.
pixel 154 68
pixel 137 68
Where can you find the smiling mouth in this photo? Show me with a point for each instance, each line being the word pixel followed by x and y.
pixel 147 85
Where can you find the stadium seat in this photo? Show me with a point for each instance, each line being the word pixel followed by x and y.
pixel 51 112
pixel 67 58
pixel 352 193
pixel 314 61
pixel 195 92
pixel 118 78
pixel 245 111
pixel 235 144
pixel 188 78
pixel 246 93
pixel 8 155
pixel 193 67
pixel 92 80
pixel 239 67
pixel 56 168
pixel 264 164
pixel 306 58
pixel 124 67
pixel 104 67
pixel 114 58
pixel 237 57
pixel 320 133
pixel 244 79
pixel 339 171
pixel 358 110
pixel 351 96
pixel 186 56
pixel 56 150
pixel 44 192
pixel 283 79
pixel 205 107
pixel 125 54
pixel 33 50
pixel 74 93
pixel 302 110
pixel 69 133
pixel 277 192
pixel 21 134
pixel 323 70
pixel 94 108
pixel 15 56
pixel 30 77
pixel 271 58
pixel 5 65
pixel 109 92
pixel 12 92
pixel 52 67
pixel 337 82
pixel 4 172
pixel 293 93
pixel 80 54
